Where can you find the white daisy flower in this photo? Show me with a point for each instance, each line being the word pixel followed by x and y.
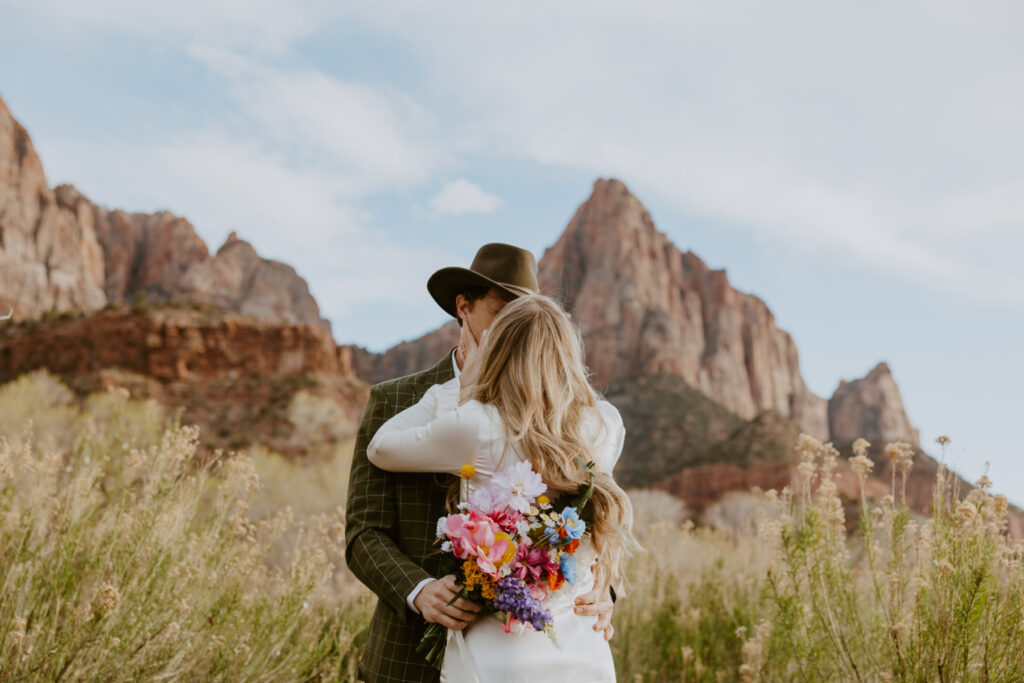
pixel 522 484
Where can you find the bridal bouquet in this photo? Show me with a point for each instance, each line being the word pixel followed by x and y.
pixel 511 547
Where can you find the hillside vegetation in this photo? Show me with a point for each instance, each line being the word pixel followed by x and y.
pixel 124 556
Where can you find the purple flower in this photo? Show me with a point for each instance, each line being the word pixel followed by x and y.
pixel 514 597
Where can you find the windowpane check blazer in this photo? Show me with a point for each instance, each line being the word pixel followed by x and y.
pixel 390 527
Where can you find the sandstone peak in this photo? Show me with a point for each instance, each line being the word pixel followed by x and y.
pixel 646 308
pixel 872 408
pixel 59 251
pixel 47 260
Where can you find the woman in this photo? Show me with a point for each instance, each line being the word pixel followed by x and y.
pixel 525 396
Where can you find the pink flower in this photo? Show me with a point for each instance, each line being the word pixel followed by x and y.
pixel 476 535
pixel 540 591
pixel 531 563
pixel 507 519
pixel 489 498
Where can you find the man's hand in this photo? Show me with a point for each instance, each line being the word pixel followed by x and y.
pixel 598 602
pixel 432 603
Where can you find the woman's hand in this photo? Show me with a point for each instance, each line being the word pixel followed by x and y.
pixel 598 603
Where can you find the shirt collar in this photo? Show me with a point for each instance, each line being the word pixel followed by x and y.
pixel 455 363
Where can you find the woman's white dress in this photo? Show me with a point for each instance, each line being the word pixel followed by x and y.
pixel 435 435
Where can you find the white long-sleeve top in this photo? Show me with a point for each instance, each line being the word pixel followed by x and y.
pixel 434 435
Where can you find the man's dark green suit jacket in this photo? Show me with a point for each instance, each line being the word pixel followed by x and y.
pixel 391 518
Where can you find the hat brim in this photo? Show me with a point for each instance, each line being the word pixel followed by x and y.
pixel 447 283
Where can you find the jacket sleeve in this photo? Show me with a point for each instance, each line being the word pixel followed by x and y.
pixel 371 520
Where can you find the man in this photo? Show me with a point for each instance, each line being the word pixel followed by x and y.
pixel 391 517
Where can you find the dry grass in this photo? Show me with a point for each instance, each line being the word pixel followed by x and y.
pixel 124 558
pixel 903 599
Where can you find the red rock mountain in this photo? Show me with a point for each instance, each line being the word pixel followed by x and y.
pixel 170 344
pixel 48 259
pixel 678 348
pixel 646 308
pixel 60 252
pixel 870 405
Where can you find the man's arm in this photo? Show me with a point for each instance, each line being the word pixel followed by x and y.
pixel 370 520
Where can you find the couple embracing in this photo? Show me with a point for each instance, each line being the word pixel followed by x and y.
pixel 514 391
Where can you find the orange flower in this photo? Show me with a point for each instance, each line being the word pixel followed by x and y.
pixel 573 545
pixel 555 581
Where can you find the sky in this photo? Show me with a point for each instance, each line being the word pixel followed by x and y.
pixel 858 166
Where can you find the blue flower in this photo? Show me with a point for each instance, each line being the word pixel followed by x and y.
pixel 568 567
pixel 574 526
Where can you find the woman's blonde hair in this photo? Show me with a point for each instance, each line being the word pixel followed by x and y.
pixel 532 370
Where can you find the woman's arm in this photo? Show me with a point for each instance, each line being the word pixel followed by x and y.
pixel 614 436
pixel 417 441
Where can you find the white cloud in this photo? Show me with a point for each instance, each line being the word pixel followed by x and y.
pixel 460 197
pixel 368 138
pixel 883 132
pixel 257 26
pixel 292 214
pixel 887 131
pixel 287 169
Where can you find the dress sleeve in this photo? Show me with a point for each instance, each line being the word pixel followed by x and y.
pixel 415 440
pixel 614 436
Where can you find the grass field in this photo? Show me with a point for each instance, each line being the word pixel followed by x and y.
pixel 124 558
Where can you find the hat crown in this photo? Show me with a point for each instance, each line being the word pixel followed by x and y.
pixel 501 266
pixel 507 265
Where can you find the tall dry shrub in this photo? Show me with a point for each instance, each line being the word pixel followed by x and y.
pixel 936 599
pixel 123 558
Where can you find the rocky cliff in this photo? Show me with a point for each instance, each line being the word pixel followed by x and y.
pixel 168 344
pixel 872 408
pixel 407 357
pixel 244 381
pixel 702 374
pixel 646 308
pixel 49 260
pixel 60 252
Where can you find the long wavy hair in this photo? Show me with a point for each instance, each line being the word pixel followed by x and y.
pixel 532 370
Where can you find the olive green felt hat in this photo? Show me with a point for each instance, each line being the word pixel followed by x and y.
pixel 510 269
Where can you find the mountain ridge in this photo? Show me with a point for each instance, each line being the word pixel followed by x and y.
pixel 664 333
pixel 61 252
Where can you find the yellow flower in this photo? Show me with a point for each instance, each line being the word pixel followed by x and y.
pixel 543 500
pixel 467 471
pixel 475 577
pixel 511 552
